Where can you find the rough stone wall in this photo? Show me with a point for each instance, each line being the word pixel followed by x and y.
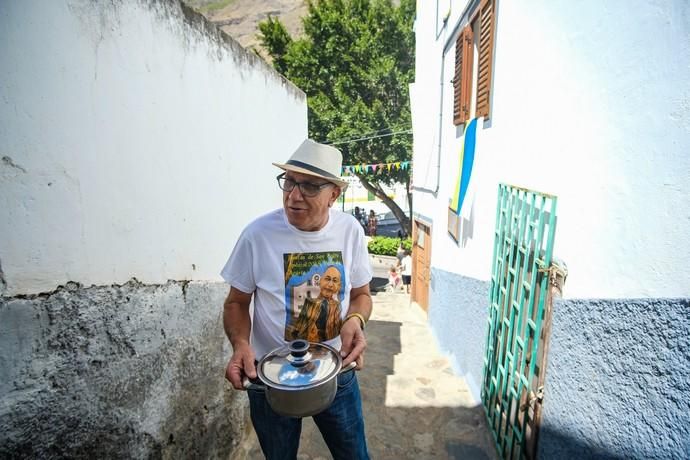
pixel 617 381
pixel 133 371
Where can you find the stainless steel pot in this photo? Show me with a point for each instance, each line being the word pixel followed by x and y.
pixel 300 379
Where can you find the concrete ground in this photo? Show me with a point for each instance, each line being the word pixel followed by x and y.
pixel 414 405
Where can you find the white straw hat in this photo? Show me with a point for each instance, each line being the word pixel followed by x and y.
pixel 318 160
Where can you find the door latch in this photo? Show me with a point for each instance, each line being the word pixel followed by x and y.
pixel 533 398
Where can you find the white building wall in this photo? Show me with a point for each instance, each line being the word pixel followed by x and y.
pixel 591 102
pixel 135 142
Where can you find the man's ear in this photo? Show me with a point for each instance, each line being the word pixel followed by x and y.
pixel 335 194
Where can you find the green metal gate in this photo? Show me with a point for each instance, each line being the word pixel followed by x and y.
pixel 515 347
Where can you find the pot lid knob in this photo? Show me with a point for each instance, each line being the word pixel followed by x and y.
pixel 298 348
pixel 299 352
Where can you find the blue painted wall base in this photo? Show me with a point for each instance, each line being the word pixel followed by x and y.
pixel 618 380
pixel 617 377
pixel 458 308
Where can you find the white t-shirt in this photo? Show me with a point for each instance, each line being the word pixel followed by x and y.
pixel 283 267
pixel 406 265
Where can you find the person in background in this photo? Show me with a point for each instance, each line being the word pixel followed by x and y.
pixel 364 221
pixel 400 253
pixel 306 229
pixel 361 217
pixel 358 214
pixel 394 279
pixel 372 223
pixel 406 269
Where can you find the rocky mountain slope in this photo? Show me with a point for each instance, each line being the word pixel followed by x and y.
pixel 240 18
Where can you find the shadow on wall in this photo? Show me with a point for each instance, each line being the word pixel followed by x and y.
pixel 572 447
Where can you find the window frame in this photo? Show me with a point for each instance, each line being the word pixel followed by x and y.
pixel 468 101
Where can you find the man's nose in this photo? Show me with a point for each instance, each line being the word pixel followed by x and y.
pixel 298 191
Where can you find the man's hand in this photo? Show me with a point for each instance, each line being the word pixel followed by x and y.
pixel 351 334
pixel 237 325
pixel 353 342
pixel 241 364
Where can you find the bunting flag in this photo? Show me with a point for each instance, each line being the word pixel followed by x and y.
pixel 376 168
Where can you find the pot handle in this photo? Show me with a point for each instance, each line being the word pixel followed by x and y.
pixel 254 384
pixel 348 368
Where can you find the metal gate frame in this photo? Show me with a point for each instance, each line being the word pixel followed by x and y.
pixel 519 318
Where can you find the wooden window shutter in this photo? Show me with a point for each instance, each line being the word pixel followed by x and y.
pixel 457 83
pixel 462 82
pixel 486 46
pixel 468 52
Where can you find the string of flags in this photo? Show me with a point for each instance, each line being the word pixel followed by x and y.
pixel 378 168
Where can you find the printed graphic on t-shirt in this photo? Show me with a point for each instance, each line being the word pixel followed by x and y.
pixel 314 292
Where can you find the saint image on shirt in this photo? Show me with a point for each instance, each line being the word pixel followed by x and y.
pixel 314 292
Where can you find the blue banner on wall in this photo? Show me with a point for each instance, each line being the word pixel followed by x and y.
pixel 466 162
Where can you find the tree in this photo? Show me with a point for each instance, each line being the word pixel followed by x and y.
pixel 355 63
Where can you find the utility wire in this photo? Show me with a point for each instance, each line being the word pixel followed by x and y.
pixel 373 133
pixel 407 131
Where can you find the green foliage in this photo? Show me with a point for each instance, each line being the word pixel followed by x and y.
pixel 278 44
pixel 387 246
pixel 355 63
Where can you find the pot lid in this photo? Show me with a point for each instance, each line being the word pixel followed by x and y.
pixel 299 365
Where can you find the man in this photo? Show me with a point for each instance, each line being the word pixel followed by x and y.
pixel 358 213
pixel 406 267
pixel 278 258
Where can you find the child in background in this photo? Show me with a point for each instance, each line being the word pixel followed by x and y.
pixel 394 279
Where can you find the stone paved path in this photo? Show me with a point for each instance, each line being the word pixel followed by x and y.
pixel 414 406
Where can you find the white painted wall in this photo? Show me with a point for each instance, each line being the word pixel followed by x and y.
pixel 134 143
pixel 591 102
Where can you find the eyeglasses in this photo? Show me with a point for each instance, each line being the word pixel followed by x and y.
pixel 307 189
